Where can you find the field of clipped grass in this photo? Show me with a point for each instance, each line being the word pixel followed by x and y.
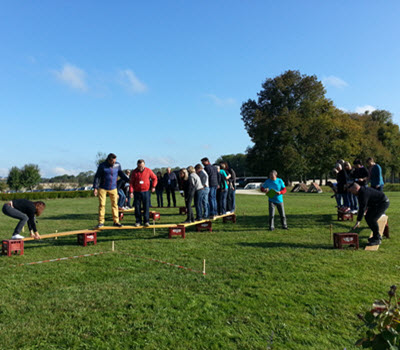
pixel 263 290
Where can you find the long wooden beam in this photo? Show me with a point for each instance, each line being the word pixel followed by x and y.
pixel 61 234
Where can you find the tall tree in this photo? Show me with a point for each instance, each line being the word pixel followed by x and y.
pixel 14 179
pixel 279 124
pixel 30 176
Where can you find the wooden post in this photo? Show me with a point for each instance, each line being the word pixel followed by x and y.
pixel 112 246
pixel 56 232
pixel 204 266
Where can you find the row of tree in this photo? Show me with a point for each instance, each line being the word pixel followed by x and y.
pixel 299 132
pixel 26 177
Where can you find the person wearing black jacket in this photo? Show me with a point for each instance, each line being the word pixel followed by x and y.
pixel 376 204
pixel 212 173
pixel 25 211
pixel 170 182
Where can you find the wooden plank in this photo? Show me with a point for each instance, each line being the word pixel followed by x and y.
pixel 132 210
pixel 60 234
pixel 126 227
pixel 382 223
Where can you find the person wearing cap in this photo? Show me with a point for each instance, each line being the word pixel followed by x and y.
pixel 139 190
pixel 375 203
pixel 276 184
pixel 105 182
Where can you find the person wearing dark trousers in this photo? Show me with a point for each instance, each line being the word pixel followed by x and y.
pixel 205 205
pixel 25 211
pixel 170 182
pixel 196 187
pixel 360 173
pixel 231 200
pixel 140 190
pixel 160 190
pixel 188 193
pixel 213 174
pixel 375 203
pixel 276 184
pixel 223 189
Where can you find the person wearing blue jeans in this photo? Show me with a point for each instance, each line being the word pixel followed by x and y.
pixel 213 184
pixel 204 201
pixel 224 189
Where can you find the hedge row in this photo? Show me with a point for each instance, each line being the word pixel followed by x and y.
pixel 46 195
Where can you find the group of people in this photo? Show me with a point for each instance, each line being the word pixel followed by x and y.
pixel 347 174
pixel 211 187
pixel 354 195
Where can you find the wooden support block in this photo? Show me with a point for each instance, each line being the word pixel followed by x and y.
pixel 204 226
pixel 345 238
pixel 182 210
pixel 178 230
pixel 383 231
pixel 85 238
pixel 229 218
pixel 12 246
pixel 344 216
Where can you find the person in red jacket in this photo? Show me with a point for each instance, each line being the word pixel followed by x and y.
pixel 139 186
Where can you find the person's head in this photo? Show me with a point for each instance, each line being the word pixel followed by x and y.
pixel 127 172
pixel 169 170
pixel 353 188
pixel 370 162
pixel 218 167
pixel 347 165
pixel 141 164
pixel 190 169
pixel 183 173
pixel 198 168
pixel 222 165
pixel 40 206
pixel 159 175
pixel 111 159
pixel 337 167
pixel 357 163
pixel 205 161
pixel 341 162
pixel 273 175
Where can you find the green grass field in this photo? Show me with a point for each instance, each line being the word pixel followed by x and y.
pixel 263 290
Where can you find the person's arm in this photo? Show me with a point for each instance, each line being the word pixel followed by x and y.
pixel 96 180
pixel 154 180
pixel 132 184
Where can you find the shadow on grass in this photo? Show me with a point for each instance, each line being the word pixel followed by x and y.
pixel 286 245
pixel 91 216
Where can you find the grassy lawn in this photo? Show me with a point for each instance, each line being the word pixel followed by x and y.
pixel 263 290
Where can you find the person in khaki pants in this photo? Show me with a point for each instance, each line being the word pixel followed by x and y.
pixel 105 182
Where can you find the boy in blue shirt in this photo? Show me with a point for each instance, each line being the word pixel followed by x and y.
pixel 276 184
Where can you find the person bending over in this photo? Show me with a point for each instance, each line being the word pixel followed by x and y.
pixel 376 204
pixel 276 184
pixel 25 211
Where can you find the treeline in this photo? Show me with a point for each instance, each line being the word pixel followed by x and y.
pixel 300 133
pixel 83 178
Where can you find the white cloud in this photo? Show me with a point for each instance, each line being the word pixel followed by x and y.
pixel 222 102
pixel 334 81
pixel 3 172
pixel 62 171
pixel 363 109
pixel 132 82
pixel 72 76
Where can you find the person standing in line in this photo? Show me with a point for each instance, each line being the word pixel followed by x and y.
pixel 170 182
pixel 213 183
pixel 105 182
pixel 276 184
pixel 160 190
pixel 195 189
pixel 187 193
pixel 375 174
pixel 25 211
pixel 360 174
pixel 121 188
pixel 231 200
pixel 223 188
pixel 375 203
pixel 206 190
pixel 140 190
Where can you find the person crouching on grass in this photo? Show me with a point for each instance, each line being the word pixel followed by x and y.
pixel 276 184
pixel 25 211
pixel 376 202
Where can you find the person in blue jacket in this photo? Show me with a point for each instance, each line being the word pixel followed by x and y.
pixel 375 175
pixel 276 184
pixel 105 182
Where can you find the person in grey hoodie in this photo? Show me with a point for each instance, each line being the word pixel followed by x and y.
pixel 195 185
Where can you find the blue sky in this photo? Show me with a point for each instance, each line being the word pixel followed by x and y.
pixel 164 80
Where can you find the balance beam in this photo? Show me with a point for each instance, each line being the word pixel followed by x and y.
pixel 126 227
pixel 60 234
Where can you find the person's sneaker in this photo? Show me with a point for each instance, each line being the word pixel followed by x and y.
pixel 99 226
pixel 354 211
pixel 117 224
pixel 146 224
pixel 374 242
pixel 17 236
pixel 271 228
pixel 285 228
pixel 137 224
